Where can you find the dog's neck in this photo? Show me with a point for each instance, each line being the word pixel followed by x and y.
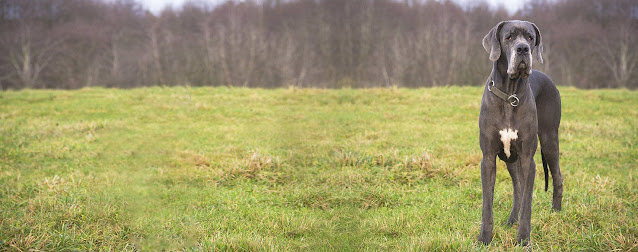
pixel 503 82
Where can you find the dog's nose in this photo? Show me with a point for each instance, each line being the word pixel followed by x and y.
pixel 522 49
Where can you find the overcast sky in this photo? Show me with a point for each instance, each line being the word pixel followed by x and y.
pixel 156 5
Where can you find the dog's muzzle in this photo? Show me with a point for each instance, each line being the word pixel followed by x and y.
pixel 520 61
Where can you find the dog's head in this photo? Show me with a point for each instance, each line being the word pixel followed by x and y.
pixel 515 40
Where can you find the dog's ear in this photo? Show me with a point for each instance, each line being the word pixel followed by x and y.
pixel 491 42
pixel 539 44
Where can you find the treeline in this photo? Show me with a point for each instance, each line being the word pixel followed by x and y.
pixel 303 43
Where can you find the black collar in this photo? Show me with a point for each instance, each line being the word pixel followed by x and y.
pixel 512 99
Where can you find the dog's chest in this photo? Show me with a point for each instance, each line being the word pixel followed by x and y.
pixel 507 136
pixel 505 130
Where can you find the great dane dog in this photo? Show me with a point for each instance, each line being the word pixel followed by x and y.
pixel 518 104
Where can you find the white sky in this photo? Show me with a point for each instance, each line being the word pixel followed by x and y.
pixel 156 6
pixel 511 5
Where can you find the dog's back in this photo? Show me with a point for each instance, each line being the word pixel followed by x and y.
pixel 548 110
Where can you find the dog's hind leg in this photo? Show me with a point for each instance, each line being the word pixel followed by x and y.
pixel 549 145
pixel 514 170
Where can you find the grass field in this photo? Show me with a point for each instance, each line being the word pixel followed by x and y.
pixel 289 169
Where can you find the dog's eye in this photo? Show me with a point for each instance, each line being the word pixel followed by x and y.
pixel 530 38
pixel 509 37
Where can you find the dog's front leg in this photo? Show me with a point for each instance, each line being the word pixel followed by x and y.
pixel 528 170
pixel 488 178
pixel 515 170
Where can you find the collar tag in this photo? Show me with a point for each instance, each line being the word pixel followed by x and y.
pixel 513 100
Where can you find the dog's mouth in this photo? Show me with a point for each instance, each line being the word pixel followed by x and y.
pixel 522 66
pixel 519 67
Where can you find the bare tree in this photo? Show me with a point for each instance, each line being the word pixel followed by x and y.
pixel 618 55
pixel 29 57
pixel 153 33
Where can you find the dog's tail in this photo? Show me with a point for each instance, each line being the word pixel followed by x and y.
pixel 545 169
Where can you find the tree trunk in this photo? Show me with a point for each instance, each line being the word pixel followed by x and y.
pixel 156 54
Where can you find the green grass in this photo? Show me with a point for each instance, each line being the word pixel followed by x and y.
pixel 288 169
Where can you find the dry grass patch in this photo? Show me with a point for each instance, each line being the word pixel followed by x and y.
pixel 252 165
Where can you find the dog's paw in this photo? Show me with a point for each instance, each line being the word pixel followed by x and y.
pixel 485 238
pixel 556 207
pixel 523 241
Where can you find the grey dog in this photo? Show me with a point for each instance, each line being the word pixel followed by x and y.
pixel 518 104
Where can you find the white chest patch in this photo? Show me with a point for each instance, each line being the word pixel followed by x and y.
pixel 507 135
